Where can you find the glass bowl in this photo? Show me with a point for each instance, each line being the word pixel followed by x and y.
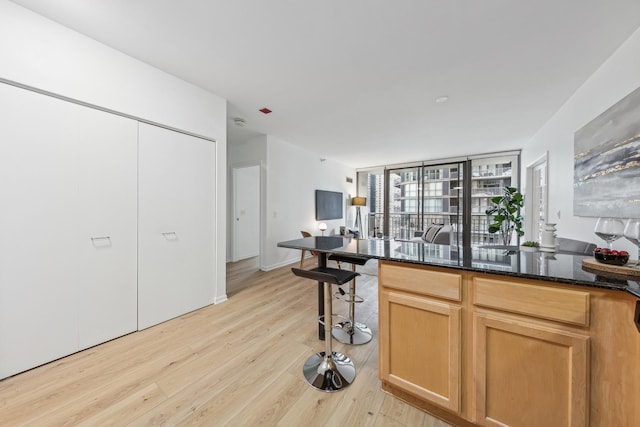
pixel 613 257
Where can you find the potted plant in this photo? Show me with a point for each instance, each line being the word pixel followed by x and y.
pixel 506 214
pixel 530 246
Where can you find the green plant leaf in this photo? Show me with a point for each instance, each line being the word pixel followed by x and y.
pixel 494 228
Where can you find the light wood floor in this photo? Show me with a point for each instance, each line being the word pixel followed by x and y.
pixel 238 363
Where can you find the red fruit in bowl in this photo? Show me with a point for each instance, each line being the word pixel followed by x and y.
pixel 608 256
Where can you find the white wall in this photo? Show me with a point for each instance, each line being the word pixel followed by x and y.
pixel 41 53
pixel 290 176
pixel 615 79
pixel 293 174
pixel 37 52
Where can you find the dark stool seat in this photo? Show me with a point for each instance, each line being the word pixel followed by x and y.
pixel 350 331
pixel 334 276
pixel 328 370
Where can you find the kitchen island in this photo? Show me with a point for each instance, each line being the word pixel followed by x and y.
pixel 499 337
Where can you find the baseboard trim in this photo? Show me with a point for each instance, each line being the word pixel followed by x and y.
pixel 280 264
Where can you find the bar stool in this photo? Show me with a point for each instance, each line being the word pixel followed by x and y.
pixel 328 370
pixel 350 331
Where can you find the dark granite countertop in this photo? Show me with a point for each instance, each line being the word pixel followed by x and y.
pixel 553 267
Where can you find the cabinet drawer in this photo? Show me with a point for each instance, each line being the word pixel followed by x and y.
pixel 421 281
pixel 561 305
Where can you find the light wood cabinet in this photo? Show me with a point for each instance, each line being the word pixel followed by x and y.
pixel 420 340
pixel 529 375
pixel 529 369
pixel 530 352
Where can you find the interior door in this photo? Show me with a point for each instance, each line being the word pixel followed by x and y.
pixel 536 200
pixel 38 251
pixel 176 219
pixel 107 188
pixel 246 196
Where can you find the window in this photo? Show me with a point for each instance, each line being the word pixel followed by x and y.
pixel 413 197
pixel 432 189
pixel 490 175
pixel 433 206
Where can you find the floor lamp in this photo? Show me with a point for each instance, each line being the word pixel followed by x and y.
pixel 358 202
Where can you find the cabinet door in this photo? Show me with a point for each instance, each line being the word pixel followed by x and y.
pixel 529 375
pixel 107 191
pixel 420 350
pixel 176 224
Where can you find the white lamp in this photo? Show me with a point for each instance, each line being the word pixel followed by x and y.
pixel 322 226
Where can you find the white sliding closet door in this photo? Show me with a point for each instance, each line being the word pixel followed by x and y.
pixel 107 188
pixel 67 174
pixel 175 224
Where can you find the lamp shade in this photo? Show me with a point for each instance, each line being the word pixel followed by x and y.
pixel 322 226
pixel 359 201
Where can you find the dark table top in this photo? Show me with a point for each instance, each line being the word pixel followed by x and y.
pixel 554 267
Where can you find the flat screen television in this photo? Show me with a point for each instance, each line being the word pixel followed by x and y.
pixel 328 205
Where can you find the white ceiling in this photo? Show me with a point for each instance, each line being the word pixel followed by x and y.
pixel 356 80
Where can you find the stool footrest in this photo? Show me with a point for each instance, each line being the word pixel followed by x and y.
pixel 356 300
pixel 321 318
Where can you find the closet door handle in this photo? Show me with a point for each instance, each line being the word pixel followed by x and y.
pixel 101 241
pixel 170 235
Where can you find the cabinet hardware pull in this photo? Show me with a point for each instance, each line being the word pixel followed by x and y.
pixel 101 238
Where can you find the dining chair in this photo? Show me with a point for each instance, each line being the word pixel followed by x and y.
pixel 314 253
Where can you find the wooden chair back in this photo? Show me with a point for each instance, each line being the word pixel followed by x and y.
pixel 314 253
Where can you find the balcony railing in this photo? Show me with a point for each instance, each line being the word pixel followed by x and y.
pixel 487 192
pixel 403 226
pixel 495 172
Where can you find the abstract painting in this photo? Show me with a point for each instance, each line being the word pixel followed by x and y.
pixel 606 175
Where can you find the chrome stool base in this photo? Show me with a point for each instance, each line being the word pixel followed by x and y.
pixel 328 370
pixel 357 334
pixel 329 373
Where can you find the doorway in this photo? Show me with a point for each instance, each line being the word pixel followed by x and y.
pixel 536 208
pixel 246 212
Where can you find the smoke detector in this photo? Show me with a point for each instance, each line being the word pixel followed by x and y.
pixel 239 122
